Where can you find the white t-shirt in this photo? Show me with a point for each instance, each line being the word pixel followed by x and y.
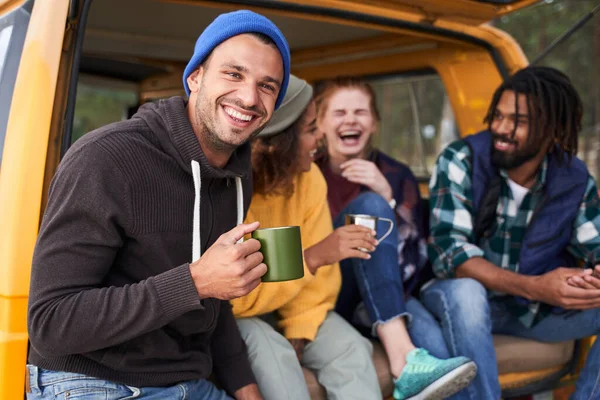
pixel 518 192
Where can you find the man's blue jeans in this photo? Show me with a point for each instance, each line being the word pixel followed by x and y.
pixel 378 282
pixel 47 384
pixel 469 319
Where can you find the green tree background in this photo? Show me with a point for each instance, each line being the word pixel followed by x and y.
pixel 97 105
pixel 412 114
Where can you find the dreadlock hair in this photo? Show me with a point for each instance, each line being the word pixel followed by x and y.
pixel 554 107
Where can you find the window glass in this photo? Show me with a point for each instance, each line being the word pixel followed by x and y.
pixel 101 101
pixel 417 121
pixel 13 29
pixel 5 35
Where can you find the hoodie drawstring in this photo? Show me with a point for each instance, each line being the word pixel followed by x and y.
pixel 196 244
pixel 240 202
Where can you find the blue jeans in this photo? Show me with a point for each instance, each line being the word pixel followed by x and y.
pixel 47 384
pixel 469 319
pixel 378 282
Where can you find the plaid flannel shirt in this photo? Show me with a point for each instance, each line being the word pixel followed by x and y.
pixel 452 241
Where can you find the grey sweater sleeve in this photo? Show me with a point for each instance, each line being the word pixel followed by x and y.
pixel 71 311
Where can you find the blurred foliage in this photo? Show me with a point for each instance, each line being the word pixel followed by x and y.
pixel 415 113
pixel 97 105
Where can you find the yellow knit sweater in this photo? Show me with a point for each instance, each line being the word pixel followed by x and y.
pixel 302 304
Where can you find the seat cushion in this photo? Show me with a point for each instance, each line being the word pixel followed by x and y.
pixel 520 355
pixel 513 354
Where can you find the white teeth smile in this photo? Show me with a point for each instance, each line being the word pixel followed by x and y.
pixel 349 133
pixel 502 144
pixel 237 115
pixel 312 152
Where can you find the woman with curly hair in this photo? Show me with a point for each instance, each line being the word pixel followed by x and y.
pixel 291 324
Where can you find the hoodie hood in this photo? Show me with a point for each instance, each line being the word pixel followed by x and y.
pixel 168 120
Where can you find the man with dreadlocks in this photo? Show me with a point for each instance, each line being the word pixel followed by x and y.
pixel 514 215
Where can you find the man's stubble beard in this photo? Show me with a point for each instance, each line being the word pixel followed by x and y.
pixel 206 125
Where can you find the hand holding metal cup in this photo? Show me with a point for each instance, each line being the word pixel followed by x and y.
pixel 370 221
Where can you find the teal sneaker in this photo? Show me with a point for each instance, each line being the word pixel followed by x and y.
pixel 425 377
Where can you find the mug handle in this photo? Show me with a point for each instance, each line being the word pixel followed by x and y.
pixel 389 229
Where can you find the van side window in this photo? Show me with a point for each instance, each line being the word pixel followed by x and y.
pixel 417 121
pixel 13 27
pixel 101 101
pixel 5 34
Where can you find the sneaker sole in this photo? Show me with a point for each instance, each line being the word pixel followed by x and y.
pixel 449 384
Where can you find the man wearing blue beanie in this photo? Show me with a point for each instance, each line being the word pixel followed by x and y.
pixel 228 25
pixel 140 245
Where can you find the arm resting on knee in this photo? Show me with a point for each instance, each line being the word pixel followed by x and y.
pixel 496 278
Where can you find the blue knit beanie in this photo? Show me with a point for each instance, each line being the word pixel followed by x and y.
pixel 235 23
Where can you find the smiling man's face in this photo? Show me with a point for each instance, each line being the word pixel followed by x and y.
pixel 510 131
pixel 234 94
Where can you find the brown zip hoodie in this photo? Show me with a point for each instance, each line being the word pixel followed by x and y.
pixel 111 293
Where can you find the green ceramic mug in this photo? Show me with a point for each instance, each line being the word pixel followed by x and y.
pixel 282 251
